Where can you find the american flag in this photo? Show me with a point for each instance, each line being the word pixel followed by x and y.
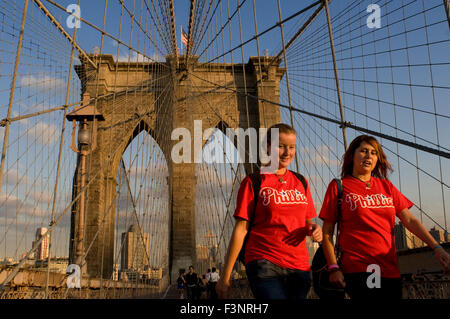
pixel 184 37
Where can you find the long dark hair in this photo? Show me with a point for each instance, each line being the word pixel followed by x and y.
pixel 382 168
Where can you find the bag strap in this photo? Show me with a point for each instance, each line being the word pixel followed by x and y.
pixel 340 191
pixel 255 178
pixel 302 179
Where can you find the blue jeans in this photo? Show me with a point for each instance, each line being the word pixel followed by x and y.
pixel 269 281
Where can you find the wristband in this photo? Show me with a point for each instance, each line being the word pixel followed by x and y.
pixel 434 249
pixel 333 266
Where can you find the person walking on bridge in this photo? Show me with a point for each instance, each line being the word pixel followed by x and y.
pixel 192 280
pixel 276 211
pixel 212 282
pixel 369 205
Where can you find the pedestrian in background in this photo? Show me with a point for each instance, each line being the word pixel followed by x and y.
pixel 192 284
pixel 213 279
pixel 181 283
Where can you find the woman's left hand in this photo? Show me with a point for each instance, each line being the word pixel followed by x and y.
pixel 443 258
pixel 315 231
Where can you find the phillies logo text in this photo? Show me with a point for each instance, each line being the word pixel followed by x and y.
pixel 291 196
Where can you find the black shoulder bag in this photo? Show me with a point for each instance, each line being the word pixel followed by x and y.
pixel 256 184
pixel 321 282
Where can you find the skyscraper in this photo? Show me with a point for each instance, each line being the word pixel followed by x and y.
pixel 42 251
pixel 438 235
pixel 404 239
pixel 135 249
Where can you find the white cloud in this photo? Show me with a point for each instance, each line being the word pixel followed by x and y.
pixel 42 197
pixel 44 133
pixel 13 177
pixel 154 171
pixel 133 56
pixel 320 155
pixel 13 205
pixel 42 82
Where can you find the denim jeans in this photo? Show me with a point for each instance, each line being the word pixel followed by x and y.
pixel 269 281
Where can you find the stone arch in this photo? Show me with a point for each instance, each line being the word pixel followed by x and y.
pixel 122 145
pixel 148 196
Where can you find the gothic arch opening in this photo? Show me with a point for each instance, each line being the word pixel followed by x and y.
pixel 218 179
pixel 141 238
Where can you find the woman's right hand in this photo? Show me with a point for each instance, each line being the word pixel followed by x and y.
pixel 337 279
pixel 223 288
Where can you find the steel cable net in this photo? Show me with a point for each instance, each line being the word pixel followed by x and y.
pixel 340 74
pixel 44 69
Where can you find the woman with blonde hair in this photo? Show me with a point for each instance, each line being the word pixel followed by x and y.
pixel 277 218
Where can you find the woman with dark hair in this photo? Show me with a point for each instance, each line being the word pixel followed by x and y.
pixel 276 258
pixel 370 203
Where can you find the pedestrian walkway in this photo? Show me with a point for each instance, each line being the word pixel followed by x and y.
pixel 171 293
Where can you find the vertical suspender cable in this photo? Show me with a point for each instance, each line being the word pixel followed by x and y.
pixel 287 78
pixel 58 165
pixel 341 109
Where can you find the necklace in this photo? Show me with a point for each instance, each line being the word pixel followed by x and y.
pixel 367 183
pixel 280 178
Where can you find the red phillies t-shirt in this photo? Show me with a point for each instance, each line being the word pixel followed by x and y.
pixel 281 213
pixel 367 223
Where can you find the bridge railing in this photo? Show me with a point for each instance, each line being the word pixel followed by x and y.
pixel 31 284
pixel 419 287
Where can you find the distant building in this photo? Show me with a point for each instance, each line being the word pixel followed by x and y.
pixel 438 235
pixel 153 273
pixel 115 275
pixel 135 250
pixel 404 239
pixel 43 248
pixel 8 261
pixel 400 237
pixel 58 264
pixel 202 252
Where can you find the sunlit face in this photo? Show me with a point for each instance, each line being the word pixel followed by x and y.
pixel 286 149
pixel 365 159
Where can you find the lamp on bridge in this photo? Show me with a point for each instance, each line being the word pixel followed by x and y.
pixel 85 114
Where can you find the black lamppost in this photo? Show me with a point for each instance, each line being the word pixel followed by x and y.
pixel 86 115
